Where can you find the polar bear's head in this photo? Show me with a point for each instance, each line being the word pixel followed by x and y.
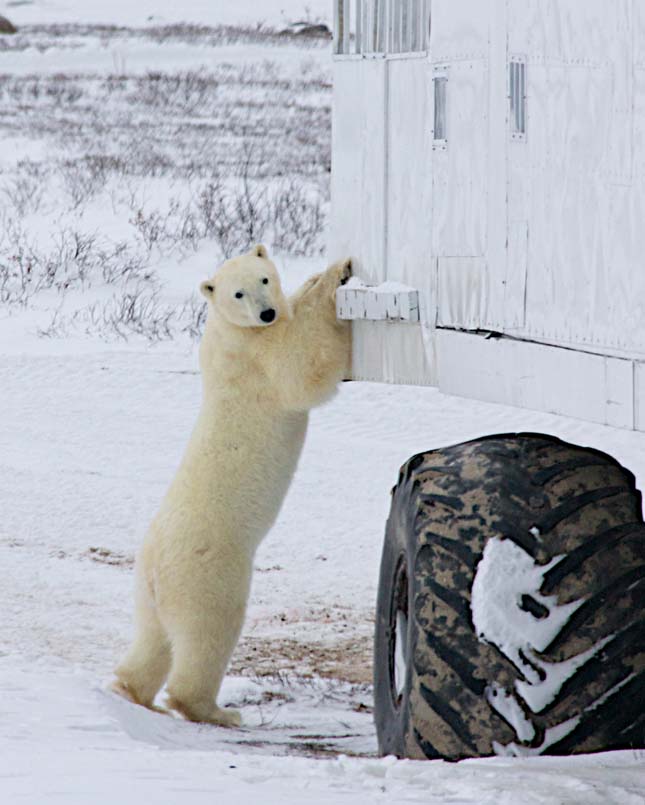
pixel 246 290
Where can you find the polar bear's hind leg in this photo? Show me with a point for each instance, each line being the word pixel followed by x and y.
pixel 199 660
pixel 145 667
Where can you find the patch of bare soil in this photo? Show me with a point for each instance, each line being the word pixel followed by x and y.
pixel 349 660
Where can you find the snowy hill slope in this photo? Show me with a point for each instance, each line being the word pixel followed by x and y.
pixel 161 12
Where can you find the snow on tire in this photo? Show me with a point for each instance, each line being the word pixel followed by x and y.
pixel 510 607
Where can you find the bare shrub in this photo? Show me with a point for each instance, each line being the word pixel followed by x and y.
pixel 187 92
pixel 179 226
pixel 118 262
pixel 134 311
pixel 16 275
pixel 214 211
pixel 236 213
pixel 139 312
pixel 298 219
pixel 25 189
pixel 75 260
pixel 84 178
pixel 250 204
pixel 70 262
pixel 149 226
pixel 192 317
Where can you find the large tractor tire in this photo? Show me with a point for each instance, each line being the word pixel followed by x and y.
pixel 510 606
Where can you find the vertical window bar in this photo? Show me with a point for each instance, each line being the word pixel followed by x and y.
pixel 440 84
pixel 373 26
pixel 337 5
pixel 517 99
pixel 416 22
pixel 365 27
pixel 422 24
pixel 404 25
pixel 341 26
pixel 523 96
pixel 413 19
pixel 366 34
pixel 382 26
pixel 346 25
pixel 358 45
pixel 409 45
pixel 516 96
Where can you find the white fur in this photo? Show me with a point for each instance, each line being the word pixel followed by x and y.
pixel 194 569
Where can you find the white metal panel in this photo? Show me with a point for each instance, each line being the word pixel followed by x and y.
pixel 619 393
pixel 515 284
pixel 462 292
pixel 409 178
pixel 460 29
pixel 567 139
pixel 639 396
pixel 529 375
pixel 460 171
pixel 638 11
pixel 358 189
pixel 572 31
pixel 578 181
pixel 391 352
pixel 496 192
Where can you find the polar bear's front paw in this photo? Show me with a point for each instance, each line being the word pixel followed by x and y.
pixel 345 271
pixel 338 274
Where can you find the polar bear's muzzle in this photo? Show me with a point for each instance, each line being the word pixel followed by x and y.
pixel 268 315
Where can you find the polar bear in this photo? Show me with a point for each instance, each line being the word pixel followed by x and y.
pixel 265 361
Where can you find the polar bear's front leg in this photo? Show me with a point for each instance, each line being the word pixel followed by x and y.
pixel 315 353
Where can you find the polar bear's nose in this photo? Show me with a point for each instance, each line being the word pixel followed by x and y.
pixel 268 315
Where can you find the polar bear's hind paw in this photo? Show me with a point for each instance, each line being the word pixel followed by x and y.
pixel 211 715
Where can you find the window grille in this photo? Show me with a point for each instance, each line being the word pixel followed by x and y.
pixel 440 135
pixel 517 99
pixel 380 26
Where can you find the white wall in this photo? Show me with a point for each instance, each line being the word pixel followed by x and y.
pixel 541 238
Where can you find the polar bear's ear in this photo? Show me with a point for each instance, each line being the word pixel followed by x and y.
pixel 259 251
pixel 207 289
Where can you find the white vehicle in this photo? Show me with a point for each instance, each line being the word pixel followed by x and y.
pixel 488 179
pixel 489 166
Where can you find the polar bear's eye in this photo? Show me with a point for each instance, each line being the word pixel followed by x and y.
pixel 265 281
pixel 239 295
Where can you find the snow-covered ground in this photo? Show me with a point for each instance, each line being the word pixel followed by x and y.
pixel 87 445
pixel 110 138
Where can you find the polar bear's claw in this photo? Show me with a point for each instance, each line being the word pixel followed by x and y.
pixel 346 271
